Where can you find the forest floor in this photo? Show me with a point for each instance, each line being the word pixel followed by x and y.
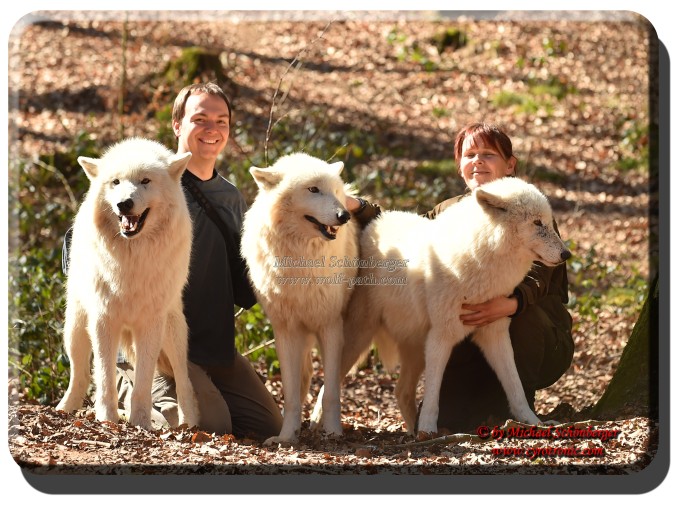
pixel 383 77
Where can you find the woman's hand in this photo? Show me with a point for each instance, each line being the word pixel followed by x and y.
pixel 489 311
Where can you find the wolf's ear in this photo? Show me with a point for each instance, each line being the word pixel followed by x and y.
pixel 265 178
pixel 90 165
pixel 490 201
pixel 178 163
pixel 337 167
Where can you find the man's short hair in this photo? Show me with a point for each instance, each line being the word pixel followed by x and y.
pixel 210 88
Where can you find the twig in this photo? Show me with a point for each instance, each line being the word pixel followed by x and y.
pixel 337 151
pixel 447 439
pixel 261 346
pixel 123 77
pixel 241 150
pixel 278 88
pixel 62 179
pixel 93 442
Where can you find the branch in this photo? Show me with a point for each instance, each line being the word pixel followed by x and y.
pixel 261 346
pixel 278 88
pixel 60 176
pixel 241 150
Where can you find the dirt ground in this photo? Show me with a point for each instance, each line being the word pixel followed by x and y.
pixel 64 74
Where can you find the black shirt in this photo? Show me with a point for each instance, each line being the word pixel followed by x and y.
pixel 213 289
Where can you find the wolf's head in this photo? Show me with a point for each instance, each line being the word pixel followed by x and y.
pixel 526 216
pixel 134 184
pixel 305 194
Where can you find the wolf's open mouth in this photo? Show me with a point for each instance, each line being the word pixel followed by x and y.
pixel 330 232
pixel 131 225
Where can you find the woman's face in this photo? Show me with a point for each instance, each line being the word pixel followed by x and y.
pixel 481 163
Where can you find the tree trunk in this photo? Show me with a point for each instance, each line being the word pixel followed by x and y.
pixel 634 388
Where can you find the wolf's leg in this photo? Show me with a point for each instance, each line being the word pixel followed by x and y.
pixel 175 349
pixel 291 347
pixel 358 330
pixel 105 341
pixel 147 341
pixel 494 341
pixel 79 350
pixel 306 376
pixel 412 362
pixel 437 351
pixel 331 343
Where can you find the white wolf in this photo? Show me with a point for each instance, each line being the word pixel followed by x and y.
pixel 302 250
pixel 477 249
pixel 129 264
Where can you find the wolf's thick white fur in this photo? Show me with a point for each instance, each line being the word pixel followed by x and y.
pixel 475 250
pixel 298 269
pixel 126 276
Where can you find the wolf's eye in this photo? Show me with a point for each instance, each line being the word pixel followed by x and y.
pixel 145 180
pixel 313 189
pixel 115 182
pixel 538 222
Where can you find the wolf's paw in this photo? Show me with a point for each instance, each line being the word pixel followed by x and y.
pixel 425 435
pixel 142 420
pixel 106 415
pixel 332 434
pixel 282 441
pixel 62 406
pixel 190 420
pixel 529 418
pixel 69 404
pixel 333 429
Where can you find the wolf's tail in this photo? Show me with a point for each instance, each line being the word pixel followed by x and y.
pixel 387 350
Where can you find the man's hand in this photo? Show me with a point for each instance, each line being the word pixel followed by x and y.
pixel 352 204
pixel 489 311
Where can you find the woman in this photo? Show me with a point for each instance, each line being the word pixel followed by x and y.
pixel 540 330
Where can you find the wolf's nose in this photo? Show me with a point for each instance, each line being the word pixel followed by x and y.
pixel 343 216
pixel 126 205
pixel 565 255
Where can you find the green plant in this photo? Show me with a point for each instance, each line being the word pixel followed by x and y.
pixel 634 146
pixel 541 95
pixel 254 337
pixel 36 289
pixel 591 287
pixel 195 63
pixel 412 52
pixel 553 47
pixel 453 38
pixel 310 133
pixel 44 195
pixel 440 112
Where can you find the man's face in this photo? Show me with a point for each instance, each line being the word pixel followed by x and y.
pixel 204 129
